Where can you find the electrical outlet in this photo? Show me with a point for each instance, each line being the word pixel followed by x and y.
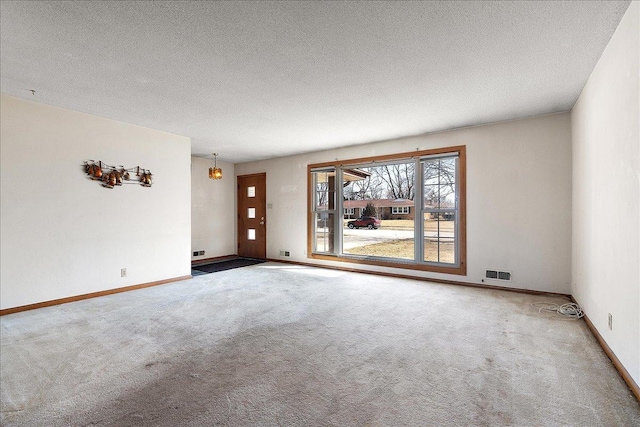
pixel 195 253
pixel 123 272
pixel 610 322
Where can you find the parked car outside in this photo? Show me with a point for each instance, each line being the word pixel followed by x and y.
pixel 366 221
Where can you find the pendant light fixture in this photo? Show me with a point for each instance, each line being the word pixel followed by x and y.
pixel 215 172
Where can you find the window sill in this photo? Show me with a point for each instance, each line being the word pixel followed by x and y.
pixel 460 270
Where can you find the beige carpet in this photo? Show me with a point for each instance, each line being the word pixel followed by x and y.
pixel 276 344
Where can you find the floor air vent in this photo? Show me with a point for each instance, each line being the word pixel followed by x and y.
pixel 498 275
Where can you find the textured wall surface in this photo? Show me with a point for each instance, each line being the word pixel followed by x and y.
pixel 606 194
pixel 213 217
pixel 65 235
pixel 518 199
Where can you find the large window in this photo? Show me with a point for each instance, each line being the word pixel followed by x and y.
pixel 411 207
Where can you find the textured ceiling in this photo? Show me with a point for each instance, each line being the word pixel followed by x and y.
pixel 253 80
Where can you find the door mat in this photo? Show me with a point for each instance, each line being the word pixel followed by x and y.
pixel 198 270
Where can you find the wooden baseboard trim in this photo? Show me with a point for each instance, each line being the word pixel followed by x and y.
pixel 214 259
pixel 90 295
pixel 423 279
pixel 612 356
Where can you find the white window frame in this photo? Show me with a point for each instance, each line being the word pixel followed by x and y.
pixel 399 210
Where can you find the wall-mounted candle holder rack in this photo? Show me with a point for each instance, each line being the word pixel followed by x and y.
pixel 113 176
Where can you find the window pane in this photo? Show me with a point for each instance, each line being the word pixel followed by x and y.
pixel 448 170
pixel 400 210
pixel 251 191
pixel 251 234
pixel 251 213
pixel 383 196
pixel 324 232
pixel 439 183
pixel 324 190
pixel 439 237
pixel 440 196
pixel 324 205
pixel 349 212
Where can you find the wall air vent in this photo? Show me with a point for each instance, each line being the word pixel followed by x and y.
pixel 491 274
pixel 504 275
pixel 498 275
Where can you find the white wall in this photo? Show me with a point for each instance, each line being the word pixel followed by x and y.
pixel 65 235
pixel 606 194
pixel 518 199
pixel 212 210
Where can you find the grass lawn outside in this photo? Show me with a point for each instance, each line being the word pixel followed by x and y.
pixel 404 249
